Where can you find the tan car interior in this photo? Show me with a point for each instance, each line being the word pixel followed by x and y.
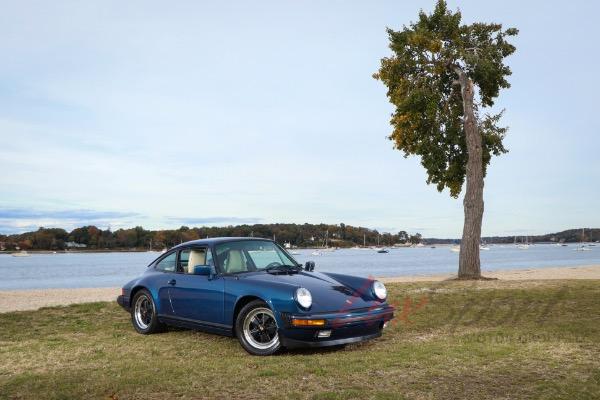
pixel 235 262
pixel 197 257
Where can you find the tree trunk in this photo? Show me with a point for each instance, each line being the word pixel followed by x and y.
pixel 469 266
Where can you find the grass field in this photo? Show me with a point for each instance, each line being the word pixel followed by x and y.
pixel 482 340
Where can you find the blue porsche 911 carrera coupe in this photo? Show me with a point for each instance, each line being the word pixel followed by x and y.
pixel 253 289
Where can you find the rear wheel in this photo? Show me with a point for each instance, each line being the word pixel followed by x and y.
pixel 256 329
pixel 143 314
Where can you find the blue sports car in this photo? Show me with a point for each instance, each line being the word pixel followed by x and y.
pixel 253 289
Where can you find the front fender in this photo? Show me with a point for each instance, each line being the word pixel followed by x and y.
pixel 279 297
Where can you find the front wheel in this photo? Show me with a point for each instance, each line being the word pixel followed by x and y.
pixel 143 314
pixel 256 329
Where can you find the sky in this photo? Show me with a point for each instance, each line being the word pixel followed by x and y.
pixel 164 114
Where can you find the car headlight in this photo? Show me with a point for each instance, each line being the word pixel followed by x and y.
pixel 379 290
pixel 303 297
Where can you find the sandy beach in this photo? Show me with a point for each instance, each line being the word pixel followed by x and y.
pixel 581 272
pixel 32 299
pixel 21 300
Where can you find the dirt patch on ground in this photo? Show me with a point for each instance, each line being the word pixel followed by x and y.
pixel 20 300
pixel 586 272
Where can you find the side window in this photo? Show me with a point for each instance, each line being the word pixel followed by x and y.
pixel 184 258
pixel 198 256
pixel 232 259
pixel 209 259
pixel 167 263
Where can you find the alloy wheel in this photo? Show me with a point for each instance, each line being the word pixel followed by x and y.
pixel 260 329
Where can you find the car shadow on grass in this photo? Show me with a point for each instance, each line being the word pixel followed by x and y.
pixel 306 351
pixel 283 351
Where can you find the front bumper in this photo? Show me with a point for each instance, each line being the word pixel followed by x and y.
pixel 348 327
pixel 123 302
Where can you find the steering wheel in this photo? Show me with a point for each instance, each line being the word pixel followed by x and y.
pixel 274 264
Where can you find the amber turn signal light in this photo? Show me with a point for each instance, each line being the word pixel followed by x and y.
pixel 308 322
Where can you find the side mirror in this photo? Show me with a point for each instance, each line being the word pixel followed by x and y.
pixel 309 266
pixel 205 270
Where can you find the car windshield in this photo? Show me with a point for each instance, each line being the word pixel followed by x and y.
pixel 251 255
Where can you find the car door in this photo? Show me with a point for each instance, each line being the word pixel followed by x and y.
pixel 165 273
pixel 197 298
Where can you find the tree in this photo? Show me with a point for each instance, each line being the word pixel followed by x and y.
pixel 416 238
pixel 402 237
pixel 441 77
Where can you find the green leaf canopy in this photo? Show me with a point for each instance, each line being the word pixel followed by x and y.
pixel 421 81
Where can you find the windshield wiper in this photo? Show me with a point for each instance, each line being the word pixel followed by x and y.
pixel 284 268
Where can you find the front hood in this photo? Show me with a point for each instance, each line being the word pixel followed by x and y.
pixel 330 292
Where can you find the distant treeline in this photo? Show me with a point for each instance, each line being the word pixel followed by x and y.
pixel 299 235
pixel 568 236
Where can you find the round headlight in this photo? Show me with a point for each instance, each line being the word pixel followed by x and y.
pixel 379 290
pixel 303 297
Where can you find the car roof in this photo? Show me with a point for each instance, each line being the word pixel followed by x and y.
pixel 216 240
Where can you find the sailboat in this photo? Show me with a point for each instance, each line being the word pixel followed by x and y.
pixel 326 243
pixel 380 250
pixel 581 246
pixel 524 245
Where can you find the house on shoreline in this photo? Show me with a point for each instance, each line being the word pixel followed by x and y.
pixel 75 245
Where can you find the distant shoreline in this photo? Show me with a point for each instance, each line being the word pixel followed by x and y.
pixel 134 250
pixel 79 251
pixel 299 236
pixel 33 299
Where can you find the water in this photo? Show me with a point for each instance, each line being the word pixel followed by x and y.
pixel 79 270
pixel 71 270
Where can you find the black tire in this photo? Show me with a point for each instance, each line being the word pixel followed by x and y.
pixel 257 317
pixel 143 314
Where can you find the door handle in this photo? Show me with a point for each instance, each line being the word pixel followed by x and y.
pixel 172 282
